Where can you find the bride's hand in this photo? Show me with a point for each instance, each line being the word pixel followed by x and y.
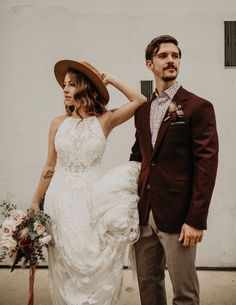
pixel 106 78
pixel 34 206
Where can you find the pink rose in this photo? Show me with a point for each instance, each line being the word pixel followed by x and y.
pixel 39 227
pixel 8 244
pixel 7 228
pixel 17 216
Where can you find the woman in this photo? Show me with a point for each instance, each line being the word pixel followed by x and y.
pixel 93 217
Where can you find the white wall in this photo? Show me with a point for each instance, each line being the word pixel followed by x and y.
pixel 112 35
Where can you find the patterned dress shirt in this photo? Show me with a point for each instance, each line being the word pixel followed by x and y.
pixel 159 107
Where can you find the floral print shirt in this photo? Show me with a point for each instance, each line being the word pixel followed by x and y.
pixel 159 107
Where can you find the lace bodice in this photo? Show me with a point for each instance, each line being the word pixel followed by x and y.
pixel 80 144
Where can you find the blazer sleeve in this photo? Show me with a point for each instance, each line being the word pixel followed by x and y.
pixel 135 150
pixel 205 161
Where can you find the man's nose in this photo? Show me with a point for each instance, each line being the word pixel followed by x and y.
pixel 170 58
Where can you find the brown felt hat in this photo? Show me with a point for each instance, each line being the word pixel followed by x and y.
pixel 62 67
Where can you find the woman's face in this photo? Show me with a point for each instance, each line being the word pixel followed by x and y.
pixel 69 90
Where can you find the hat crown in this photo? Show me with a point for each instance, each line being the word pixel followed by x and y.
pixel 92 68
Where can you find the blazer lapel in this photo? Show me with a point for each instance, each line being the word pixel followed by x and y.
pixel 181 98
pixel 147 126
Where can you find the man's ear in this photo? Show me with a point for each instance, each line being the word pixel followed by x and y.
pixel 149 64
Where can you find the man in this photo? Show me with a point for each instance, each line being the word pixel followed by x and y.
pixel 177 144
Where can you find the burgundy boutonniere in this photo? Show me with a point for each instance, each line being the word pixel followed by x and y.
pixel 174 112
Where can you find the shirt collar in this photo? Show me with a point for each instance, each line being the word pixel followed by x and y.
pixel 168 93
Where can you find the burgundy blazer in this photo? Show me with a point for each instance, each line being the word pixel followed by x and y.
pixel 177 176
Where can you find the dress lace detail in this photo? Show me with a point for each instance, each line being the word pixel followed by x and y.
pixel 94 217
pixel 80 144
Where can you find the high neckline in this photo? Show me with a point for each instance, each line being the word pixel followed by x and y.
pixel 79 118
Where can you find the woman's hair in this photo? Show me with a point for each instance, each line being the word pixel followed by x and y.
pixel 87 96
pixel 154 46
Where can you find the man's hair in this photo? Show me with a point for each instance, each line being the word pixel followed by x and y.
pixel 154 45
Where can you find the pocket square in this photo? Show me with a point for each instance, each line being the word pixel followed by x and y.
pixel 178 123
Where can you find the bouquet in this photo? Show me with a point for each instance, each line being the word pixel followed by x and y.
pixel 23 236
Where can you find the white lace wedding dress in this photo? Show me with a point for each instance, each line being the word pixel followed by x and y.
pixel 94 217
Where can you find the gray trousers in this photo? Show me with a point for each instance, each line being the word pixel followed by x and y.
pixel 153 251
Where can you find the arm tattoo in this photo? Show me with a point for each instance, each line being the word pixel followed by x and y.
pixel 48 174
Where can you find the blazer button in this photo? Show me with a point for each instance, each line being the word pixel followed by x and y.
pixel 148 186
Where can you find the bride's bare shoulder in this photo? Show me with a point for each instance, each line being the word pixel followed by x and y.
pixel 57 121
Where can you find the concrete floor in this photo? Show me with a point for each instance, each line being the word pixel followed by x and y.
pixel 217 288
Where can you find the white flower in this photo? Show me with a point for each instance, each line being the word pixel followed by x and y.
pixel 8 244
pixel 39 227
pixel 17 216
pixel 7 228
pixel 45 240
pixel 24 232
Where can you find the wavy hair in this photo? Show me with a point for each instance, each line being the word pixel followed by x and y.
pixel 154 46
pixel 87 96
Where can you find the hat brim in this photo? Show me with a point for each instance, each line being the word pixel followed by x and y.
pixel 62 67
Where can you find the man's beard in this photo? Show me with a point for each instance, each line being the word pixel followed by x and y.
pixel 169 78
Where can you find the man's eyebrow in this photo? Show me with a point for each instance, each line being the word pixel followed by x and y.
pixel 165 52
pixel 161 53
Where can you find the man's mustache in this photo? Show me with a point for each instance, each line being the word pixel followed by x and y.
pixel 170 67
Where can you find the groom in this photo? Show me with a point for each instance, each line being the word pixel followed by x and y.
pixel 177 144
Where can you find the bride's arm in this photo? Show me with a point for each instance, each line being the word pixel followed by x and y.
pixel 125 112
pixel 48 169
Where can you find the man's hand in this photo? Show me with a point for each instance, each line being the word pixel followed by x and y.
pixel 190 236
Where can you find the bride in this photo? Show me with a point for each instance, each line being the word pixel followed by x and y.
pixel 94 216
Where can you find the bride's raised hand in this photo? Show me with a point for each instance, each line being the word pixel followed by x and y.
pixel 34 206
pixel 106 78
